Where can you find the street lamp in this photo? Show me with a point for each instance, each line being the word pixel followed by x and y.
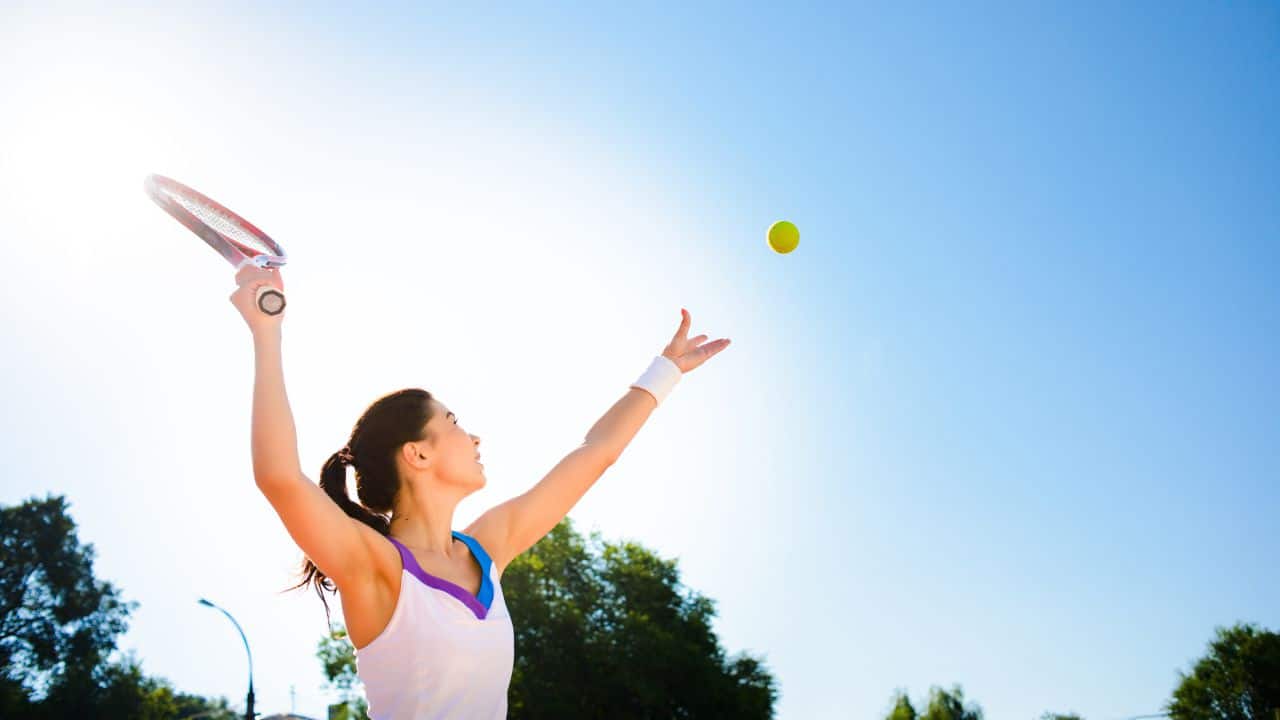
pixel 248 710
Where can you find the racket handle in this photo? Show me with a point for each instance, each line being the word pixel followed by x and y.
pixel 270 300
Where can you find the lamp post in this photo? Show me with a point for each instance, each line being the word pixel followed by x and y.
pixel 248 709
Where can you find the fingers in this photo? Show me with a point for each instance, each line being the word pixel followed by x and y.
pixel 686 349
pixel 249 274
pixel 684 325
pixel 245 271
pixel 252 275
pixel 710 350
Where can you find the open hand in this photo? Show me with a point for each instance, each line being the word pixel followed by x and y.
pixel 688 353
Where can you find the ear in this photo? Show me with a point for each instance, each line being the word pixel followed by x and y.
pixel 413 455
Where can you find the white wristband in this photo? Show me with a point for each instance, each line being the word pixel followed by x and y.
pixel 660 378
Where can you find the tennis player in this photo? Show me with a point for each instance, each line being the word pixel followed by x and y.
pixel 423 602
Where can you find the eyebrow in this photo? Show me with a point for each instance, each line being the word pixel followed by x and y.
pixel 451 415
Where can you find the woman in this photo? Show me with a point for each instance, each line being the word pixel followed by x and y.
pixel 423 602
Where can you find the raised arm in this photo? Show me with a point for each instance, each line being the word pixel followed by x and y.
pixel 515 525
pixel 338 544
pixel 274 437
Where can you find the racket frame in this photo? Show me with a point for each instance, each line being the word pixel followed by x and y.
pixel 162 189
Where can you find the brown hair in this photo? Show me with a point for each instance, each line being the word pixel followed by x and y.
pixel 383 428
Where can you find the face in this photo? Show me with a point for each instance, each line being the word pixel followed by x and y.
pixel 455 451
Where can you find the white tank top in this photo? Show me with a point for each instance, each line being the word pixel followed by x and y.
pixel 445 653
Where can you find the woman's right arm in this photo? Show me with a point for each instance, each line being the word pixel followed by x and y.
pixel 338 544
pixel 275 437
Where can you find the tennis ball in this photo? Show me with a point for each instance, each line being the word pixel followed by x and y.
pixel 783 237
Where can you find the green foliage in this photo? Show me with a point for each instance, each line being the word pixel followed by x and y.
pixel 57 622
pixel 338 659
pixel 349 710
pixel 942 705
pixel 58 629
pixel 902 708
pixel 606 631
pixel 126 692
pixel 1239 679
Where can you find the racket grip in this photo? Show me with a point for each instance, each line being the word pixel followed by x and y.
pixel 270 300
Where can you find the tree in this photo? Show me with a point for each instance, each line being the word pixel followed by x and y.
pixel 58 628
pixel 902 708
pixel 127 693
pixel 57 622
pixel 1056 716
pixel 337 656
pixel 1239 678
pixel 942 705
pixel 605 630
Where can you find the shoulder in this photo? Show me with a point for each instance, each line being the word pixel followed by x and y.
pixel 491 534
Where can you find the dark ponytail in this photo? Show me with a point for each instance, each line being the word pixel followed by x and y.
pixel 386 425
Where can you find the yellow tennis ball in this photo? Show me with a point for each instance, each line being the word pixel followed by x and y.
pixel 783 237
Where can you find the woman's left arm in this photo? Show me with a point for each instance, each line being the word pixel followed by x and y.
pixel 515 525
pixel 614 431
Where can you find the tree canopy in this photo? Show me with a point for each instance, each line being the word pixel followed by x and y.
pixel 1238 679
pixel 941 705
pixel 59 625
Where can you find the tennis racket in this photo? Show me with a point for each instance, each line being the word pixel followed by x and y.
pixel 236 239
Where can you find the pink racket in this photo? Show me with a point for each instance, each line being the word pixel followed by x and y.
pixel 236 239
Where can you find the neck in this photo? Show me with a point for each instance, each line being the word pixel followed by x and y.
pixel 423 525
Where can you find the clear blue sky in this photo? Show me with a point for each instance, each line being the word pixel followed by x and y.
pixel 1006 418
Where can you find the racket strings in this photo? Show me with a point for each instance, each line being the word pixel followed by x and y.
pixel 225 225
